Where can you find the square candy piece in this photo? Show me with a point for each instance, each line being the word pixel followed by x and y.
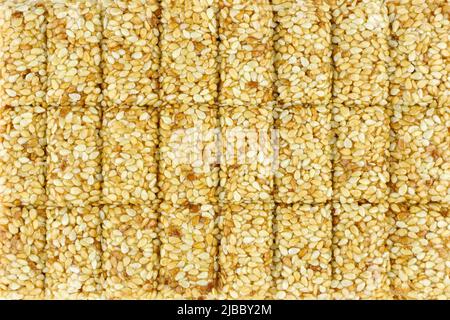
pixel 303 51
pixel 247 154
pixel 23 52
pixel 302 256
pixel 74 32
pixel 361 52
pixel 130 52
pixel 188 165
pixel 420 154
pixel 22 156
pixel 419 249
pixel 189 239
pixel 419 50
pixel 73 264
pixel 245 254
pixel 129 155
pixel 360 252
pixel 130 247
pixel 73 156
pixel 22 255
pixel 361 154
pixel 303 158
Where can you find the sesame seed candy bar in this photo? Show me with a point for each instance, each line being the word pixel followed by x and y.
pixel 247 154
pixel 361 53
pixel 189 68
pixel 22 256
pixel 302 251
pixel 130 246
pixel 23 54
pixel 188 165
pixel 74 33
pixel 419 251
pixel 22 156
pixel 303 163
pixel 246 70
pixel 130 52
pixel 420 154
pixel 303 51
pixel 245 252
pixel 360 255
pixel 129 155
pixel 361 153
pixel 73 156
pixel 188 250
pixel 73 267
pixel 419 49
